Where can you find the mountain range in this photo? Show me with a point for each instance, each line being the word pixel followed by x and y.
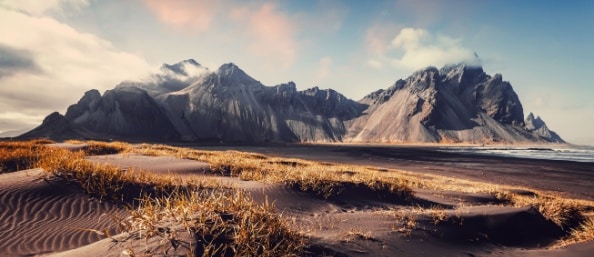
pixel 188 102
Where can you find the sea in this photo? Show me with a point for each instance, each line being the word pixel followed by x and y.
pixel 563 152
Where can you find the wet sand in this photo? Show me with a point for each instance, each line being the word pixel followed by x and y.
pixel 575 179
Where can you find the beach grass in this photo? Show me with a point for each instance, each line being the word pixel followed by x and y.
pixel 226 222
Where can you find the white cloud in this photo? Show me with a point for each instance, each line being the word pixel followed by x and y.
pixel 421 49
pixel 68 63
pixel 413 49
pixel 410 39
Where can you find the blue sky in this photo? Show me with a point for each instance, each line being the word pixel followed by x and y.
pixel 52 51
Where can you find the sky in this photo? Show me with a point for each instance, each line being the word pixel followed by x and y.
pixel 52 51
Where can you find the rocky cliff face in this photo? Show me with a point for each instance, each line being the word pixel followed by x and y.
pixel 229 105
pixel 458 103
pixel 537 127
pixel 186 101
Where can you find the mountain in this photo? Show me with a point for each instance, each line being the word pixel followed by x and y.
pixel 123 112
pixel 188 102
pixel 458 103
pixel 57 127
pixel 230 105
pixel 538 127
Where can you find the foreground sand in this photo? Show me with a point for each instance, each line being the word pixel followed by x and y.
pixel 42 217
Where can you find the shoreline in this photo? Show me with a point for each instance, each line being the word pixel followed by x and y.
pixel 568 178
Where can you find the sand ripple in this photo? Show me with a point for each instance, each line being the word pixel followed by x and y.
pixel 41 216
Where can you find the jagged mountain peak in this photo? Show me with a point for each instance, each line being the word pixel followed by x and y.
pixel 461 67
pixel 229 69
pixel 233 73
pixel 425 71
pixel 184 67
pixel 538 127
pixel 317 89
pixel 533 122
pixel 286 88
pixel 90 95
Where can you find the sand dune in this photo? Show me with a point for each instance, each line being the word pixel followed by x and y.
pixel 362 225
pixel 40 216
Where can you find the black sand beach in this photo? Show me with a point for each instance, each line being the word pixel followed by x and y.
pixel 568 178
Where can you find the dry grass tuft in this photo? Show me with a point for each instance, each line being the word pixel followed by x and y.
pixel 584 232
pixel 220 222
pixel 20 155
pixel 103 148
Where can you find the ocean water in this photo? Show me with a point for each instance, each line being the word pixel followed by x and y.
pixel 566 153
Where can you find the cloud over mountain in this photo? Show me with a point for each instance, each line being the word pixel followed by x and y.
pixel 420 49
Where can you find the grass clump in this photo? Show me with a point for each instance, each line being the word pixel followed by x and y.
pixel 103 148
pixel 584 232
pixel 20 155
pixel 218 222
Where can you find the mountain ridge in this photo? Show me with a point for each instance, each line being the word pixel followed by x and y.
pixel 188 102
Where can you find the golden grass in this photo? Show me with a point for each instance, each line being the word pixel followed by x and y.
pixel 584 232
pixel 221 221
pixel 326 181
pixel 18 155
pixel 329 180
pixel 231 219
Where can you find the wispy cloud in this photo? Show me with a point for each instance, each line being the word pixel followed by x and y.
pixel 65 61
pixel 195 15
pixel 271 33
pixel 260 29
pixel 378 41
